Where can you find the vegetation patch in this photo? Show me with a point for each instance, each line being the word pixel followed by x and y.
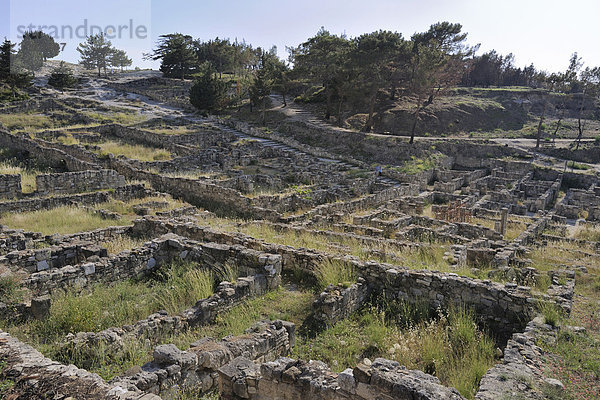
pixel 449 346
pixel 135 152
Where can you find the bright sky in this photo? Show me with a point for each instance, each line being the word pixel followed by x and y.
pixel 543 32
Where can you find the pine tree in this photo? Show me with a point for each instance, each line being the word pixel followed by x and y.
pixel 10 74
pixel 95 52
pixel 35 48
pixel 261 89
pixel 208 92
pixel 119 59
pixel 177 54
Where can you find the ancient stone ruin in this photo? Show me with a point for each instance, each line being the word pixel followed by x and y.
pixel 469 232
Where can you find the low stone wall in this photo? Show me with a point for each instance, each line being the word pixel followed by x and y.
pixel 43 151
pixel 504 309
pixel 137 262
pixel 196 369
pixel 16 239
pixel 204 312
pixel 35 260
pixel 10 186
pixel 35 377
pixel 365 202
pixel 336 303
pixel 286 378
pixel 521 370
pixel 124 193
pixel 77 182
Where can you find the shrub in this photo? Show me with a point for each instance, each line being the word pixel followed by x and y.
pixel 550 311
pixel 208 93
pixel 62 77
pixel 10 289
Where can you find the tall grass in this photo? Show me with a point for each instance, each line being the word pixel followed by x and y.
pixel 69 219
pixel 20 121
pixel 590 233
pixel 67 139
pixel 551 312
pixel 335 272
pixel 179 286
pixel 10 289
pixel 184 287
pixel 119 243
pixel 135 152
pixel 63 220
pixel 293 306
pixel 450 346
pixel 28 184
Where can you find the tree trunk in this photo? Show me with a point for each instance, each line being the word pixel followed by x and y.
pixel 579 124
pixel 556 130
pixel 339 113
pixel 580 132
pixel 393 92
pixel 328 111
pixel 369 124
pixel 284 102
pixel 414 127
pixel 539 129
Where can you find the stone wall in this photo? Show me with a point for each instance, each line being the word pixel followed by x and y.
pixel 10 186
pixel 204 312
pixel 35 260
pixel 124 193
pixel 521 370
pixel 503 308
pixel 43 151
pixel 77 182
pixel 35 377
pixel 137 262
pixel 196 369
pixel 336 303
pixel 290 379
pixel 16 239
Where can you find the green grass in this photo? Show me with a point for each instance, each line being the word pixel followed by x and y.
pixel 134 152
pixel 67 139
pixel 124 118
pixel 28 184
pixel 69 219
pixel 578 166
pixel 450 347
pixel 62 220
pixel 335 273
pixel 293 306
pixel 10 289
pixel 5 383
pixel 574 358
pixel 119 243
pixel 23 121
pixel 590 233
pixel 176 287
pixel 417 165
pixel 551 313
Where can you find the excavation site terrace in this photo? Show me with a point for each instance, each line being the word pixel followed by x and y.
pixel 148 251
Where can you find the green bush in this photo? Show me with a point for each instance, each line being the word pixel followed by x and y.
pixel 551 312
pixel 62 77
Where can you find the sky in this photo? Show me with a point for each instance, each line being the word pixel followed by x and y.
pixel 542 32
